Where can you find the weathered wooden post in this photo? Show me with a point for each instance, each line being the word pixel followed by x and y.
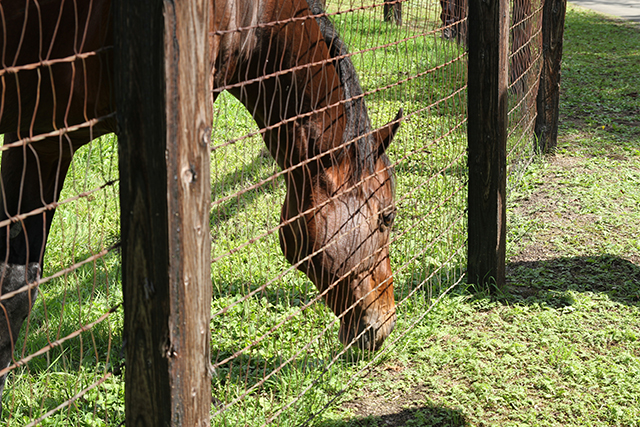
pixel 546 129
pixel 164 118
pixel 393 11
pixel 487 137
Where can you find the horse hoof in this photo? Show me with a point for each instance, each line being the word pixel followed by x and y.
pixel 14 309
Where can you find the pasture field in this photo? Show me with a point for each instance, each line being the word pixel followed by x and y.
pixel 276 355
pixel 275 352
pixel 559 347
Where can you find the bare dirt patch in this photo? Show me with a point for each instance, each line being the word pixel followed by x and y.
pixel 404 406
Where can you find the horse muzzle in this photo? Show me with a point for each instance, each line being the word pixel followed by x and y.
pixel 367 333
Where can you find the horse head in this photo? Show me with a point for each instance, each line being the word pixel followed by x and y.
pixel 337 233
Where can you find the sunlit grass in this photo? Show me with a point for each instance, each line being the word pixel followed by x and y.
pixel 279 362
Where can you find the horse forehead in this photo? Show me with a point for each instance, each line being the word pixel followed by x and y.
pixel 379 187
pixel 386 177
pixel 346 212
pixel 347 231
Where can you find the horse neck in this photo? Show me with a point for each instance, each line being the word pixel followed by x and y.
pixel 294 91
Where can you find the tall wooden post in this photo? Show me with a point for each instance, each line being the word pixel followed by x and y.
pixel 164 117
pixel 393 11
pixel 548 101
pixel 487 138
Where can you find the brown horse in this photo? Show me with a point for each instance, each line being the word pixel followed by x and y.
pixel 285 66
pixel 55 75
pixel 339 203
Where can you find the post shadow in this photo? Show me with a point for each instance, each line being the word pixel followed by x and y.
pixel 535 281
pixel 423 416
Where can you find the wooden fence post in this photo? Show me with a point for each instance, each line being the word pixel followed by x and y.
pixel 487 136
pixel 393 11
pixel 546 128
pixel 164 119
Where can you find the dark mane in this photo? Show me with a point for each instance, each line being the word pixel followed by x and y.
pixel 358 123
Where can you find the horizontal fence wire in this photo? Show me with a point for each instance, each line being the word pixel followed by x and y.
pixel 55 105
pixel 276 356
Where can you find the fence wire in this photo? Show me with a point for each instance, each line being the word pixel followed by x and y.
pixel 276 353
pixel 525 62
pixel 277 356
pixel 54 99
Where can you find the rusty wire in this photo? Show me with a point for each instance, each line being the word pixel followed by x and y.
pixel 445 203
pixel 525 61
pixel 266 373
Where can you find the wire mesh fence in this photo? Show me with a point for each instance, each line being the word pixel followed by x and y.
pixel 525 62
pixel 276 348
pixel 55 98
pixel 315 215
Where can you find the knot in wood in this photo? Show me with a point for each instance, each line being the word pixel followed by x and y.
pixel 189 175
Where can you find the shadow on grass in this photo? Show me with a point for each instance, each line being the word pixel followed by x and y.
pixel 65 306
pixel 548 280
pixel 423 416
pixel 222 212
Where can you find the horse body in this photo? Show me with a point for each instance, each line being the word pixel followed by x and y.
pixel 61 94
pixel 46 99
pixel 73 88
pixel 339 203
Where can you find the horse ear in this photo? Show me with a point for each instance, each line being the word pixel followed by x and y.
pixel 385 134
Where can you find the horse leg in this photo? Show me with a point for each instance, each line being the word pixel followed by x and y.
pixel 31 177
pixel 14 310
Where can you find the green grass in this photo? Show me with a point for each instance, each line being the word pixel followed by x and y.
pixel 286 339
pixel 82 228
pixel 559 346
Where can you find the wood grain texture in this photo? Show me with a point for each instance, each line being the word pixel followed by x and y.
pixel 393 11
pixel 548 100
pixel 163 114
pixel 189 118
pixel 487 136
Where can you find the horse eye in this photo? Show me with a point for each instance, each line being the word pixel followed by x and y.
pixel 388 217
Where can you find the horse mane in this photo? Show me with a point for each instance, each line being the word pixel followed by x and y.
pixel 358 124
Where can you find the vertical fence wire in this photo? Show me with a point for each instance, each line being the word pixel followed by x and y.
pixel 54 99
pixel 277 355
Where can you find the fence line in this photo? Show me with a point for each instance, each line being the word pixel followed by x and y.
pixel 267 350
pixel 227 302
